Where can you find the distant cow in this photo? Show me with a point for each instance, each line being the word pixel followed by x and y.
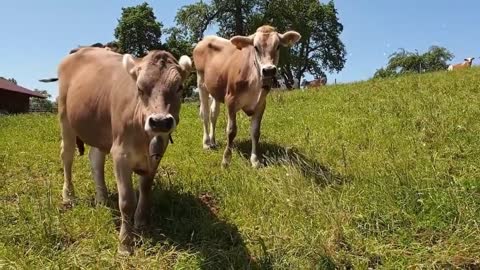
pixel 316 83
pixel 124 106
pixel 467 63
pixel 238 72
pixel 110 46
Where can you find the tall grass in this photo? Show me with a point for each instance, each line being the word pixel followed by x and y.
pixel 379 174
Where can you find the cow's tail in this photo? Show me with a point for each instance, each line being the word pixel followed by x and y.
pixel 49 80
pixel 80 146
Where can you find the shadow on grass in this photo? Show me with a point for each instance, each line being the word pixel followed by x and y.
pixel 276 155
pixel 190 224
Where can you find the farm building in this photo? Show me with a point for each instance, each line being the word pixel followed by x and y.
pixel 14 98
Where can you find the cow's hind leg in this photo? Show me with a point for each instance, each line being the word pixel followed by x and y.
pixel 204 110
pixel 67 155
pixel 214 112
pixel 97 162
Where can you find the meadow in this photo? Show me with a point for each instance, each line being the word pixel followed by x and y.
pixel 382 174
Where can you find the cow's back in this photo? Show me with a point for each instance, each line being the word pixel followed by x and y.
pixel 87 80
pixel 213 57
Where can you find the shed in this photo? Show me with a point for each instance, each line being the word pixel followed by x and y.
pixel 14 98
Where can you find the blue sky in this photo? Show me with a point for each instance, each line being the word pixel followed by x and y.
pixel 35 35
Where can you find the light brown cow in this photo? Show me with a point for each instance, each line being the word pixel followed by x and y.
pixel 124 106
pixel 317 83
pixel 466 64
pixel 239 73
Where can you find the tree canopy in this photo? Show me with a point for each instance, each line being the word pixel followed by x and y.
pixel 320 49
pixel 404 62
pixel 138 30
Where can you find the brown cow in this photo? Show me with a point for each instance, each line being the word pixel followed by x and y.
pixel 317 83
pixel 466 64
pixel 124 106
pixel 238 72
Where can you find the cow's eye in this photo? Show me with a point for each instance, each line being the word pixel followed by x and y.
pixel 257 49
pixel 140 91
pixel 278 47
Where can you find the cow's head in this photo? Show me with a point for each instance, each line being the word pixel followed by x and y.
pixel 267 42
pixel 159 78
pixel 470 59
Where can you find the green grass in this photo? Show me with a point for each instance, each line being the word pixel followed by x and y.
pixel 381 174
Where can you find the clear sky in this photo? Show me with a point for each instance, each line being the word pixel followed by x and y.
pixel 35 35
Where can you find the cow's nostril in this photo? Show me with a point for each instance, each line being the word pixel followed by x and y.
pixel 168 122
pixel 161 124
pixel 152 122
pixel 269 71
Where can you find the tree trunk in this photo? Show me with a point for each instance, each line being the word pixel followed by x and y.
pixel 239 29
pixel 287 77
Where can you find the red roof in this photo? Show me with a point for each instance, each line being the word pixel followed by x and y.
pixel 9 86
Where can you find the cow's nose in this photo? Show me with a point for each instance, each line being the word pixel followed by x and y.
pixel 161 123
pixel 269 71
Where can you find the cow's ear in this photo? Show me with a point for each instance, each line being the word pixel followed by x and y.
pixel 185 64
pixel 241 41
pixel 129 63
pixel 289 38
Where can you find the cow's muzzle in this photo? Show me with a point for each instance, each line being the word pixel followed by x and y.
pixel 269 71
pixel 158 123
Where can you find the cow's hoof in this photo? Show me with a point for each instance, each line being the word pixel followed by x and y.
pixel 125 250
pixel 210 146
pixel 255 162
pixel 225 164
pixel 101 201
pixel 141 226
pixel 68 203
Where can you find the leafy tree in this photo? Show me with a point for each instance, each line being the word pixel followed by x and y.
pixel 404 62
pixel 178 43
pixel 138 30
pixel 319 50
pixel 40 104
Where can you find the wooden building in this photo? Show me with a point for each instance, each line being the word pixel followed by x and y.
pixel 14 98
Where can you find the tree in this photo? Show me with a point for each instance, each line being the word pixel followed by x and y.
pixel 138 30
pixel 319 50
pixel 40 104
pixel 404 62
pixel 179 44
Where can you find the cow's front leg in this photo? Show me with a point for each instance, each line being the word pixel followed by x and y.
pixel 144 202
pixel 231 134
pixel 126 201
pixel 255 133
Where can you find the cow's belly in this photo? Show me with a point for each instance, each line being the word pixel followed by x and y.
pixel 91 123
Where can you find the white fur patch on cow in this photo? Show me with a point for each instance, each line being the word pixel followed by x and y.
pixel 185 62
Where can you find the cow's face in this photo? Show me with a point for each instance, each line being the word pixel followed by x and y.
pixel 159 79
pixel 267 42
pixel 470 59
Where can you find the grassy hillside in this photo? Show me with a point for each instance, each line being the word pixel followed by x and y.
pixel 381 174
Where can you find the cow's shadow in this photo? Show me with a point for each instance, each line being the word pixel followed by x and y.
pixel 276 155
pixel 190 224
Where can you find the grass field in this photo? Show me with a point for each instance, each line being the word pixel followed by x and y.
pixel 380 174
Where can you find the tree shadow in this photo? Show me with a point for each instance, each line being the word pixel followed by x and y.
pixel 191 224
pixel 276 155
